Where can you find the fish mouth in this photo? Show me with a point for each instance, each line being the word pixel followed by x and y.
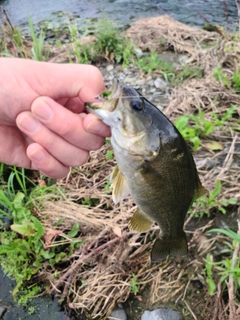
pixel 107 99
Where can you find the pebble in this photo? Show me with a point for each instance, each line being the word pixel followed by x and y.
pixel 140 82
pixel 152 90
pixel 161 314
pixel 118 314
pixel 138 52
pixel 130 80
pixel 160 83
pixel 109 68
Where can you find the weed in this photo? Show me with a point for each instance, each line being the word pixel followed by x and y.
pixel 236 80
pixel 200 126
pixel 23 252
pixel 209 273
pixel 187 73
pixel 219 76
pixel 84 53
pixel 38 43
pixel 226 266
pixel 233 82
pixel 134 284
pixel 151 62
pixel 112 43
pixel 204 204
pixel 107 185
pixel 109 154
pixel 90 202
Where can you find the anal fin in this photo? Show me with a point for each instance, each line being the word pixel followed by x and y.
pixel 139 222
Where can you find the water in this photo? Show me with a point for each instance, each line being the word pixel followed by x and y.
pixel 124 12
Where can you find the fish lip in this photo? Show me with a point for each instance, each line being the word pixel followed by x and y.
pixel 107 99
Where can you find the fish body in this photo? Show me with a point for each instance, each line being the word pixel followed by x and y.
pixel 154 166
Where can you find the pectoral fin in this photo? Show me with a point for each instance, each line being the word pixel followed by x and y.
pixel 139 222
pixel 120 187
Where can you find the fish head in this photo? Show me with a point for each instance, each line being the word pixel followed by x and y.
pixel 131 118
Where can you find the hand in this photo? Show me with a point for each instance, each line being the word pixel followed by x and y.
pixel 43 124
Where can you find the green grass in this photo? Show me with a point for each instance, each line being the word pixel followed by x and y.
pixel 38 43
pixel 151 62
pixel 22 247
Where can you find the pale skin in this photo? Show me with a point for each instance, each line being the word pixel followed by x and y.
pixel 43 121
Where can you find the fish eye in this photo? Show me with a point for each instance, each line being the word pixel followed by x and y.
pixel 137 105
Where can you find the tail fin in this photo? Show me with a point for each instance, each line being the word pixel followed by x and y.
pixel 164 247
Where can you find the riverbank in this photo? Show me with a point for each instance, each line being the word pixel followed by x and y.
pixel 199 90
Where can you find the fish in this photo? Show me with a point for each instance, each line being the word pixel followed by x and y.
pixel 154 166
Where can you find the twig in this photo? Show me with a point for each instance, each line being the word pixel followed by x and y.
pixel 229 158
pixel 6 17
pixel 75 265
pixel 192 313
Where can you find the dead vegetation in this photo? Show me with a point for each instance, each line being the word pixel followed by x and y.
pixel 100 273
pixel 101 270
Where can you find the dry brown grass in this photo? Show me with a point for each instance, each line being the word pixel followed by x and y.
pixel 99 273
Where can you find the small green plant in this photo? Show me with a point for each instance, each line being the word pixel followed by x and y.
pixel 84 53
pixel 219 76
pixel 107 185
pixel 134 284
pixel 187 73
pixel 109 154
pixel 200 126
pixel 236 80
pixel 111 43
pixel 209 274
pixel 38 43
pixel 151 62
pixel 230 83
pixel 204 204
pixel 23 250
pixel 228 266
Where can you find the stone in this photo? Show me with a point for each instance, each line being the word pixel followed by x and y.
pixel 118 314
pixel 160 83
pixel 161 314
pixel 140 82
pixel 138 52
pixel 129 80
pixel 152 90
pixel 109 68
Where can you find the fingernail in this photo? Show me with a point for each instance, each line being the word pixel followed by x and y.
pixel 37 155
pixel 29 123
pixel 42 110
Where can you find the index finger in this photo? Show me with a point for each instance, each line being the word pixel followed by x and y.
pixel 58 81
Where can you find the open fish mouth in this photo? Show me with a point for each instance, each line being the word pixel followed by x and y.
pixel 107 99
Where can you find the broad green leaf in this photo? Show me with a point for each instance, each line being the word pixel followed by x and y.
pixel 74 230
pixel 38 227
pixel 24 230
